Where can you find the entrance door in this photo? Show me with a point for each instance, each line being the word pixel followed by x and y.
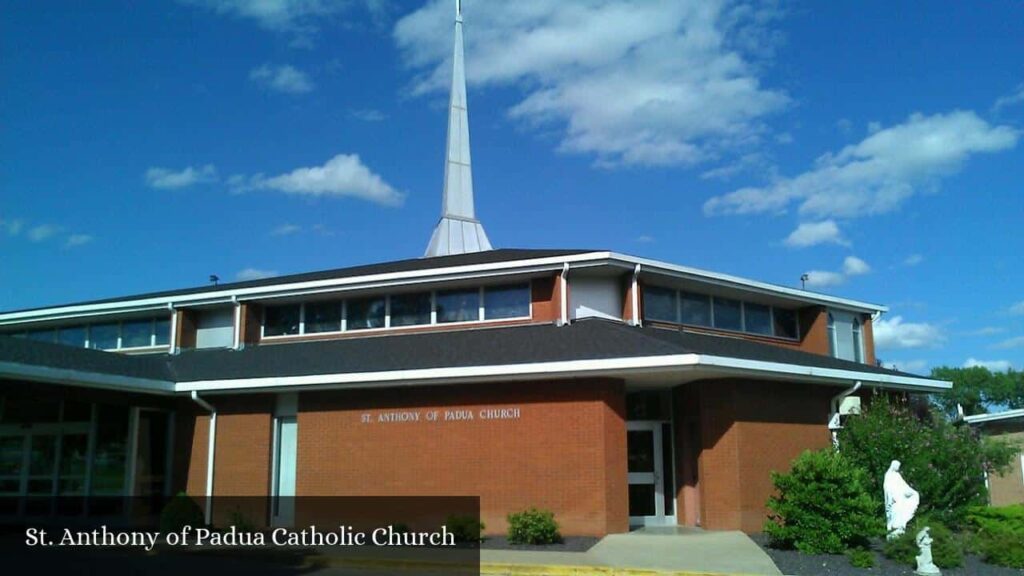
pixel 646 476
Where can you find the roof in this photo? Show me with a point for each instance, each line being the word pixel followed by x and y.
pixel 591 345
pixel 996 417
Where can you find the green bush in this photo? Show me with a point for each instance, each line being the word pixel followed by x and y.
pixel 533 526
pixel 947 549
pixel 945 463
pixel 241 521
pixel 861 557
pixel 998 534
pixel 179 512
pixel 465 528
pixel 822 506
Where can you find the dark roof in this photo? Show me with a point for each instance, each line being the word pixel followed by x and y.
pixel 589 339
pixel 488 257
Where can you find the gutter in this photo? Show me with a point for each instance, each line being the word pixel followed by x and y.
pixel 834 422
pixel 210 451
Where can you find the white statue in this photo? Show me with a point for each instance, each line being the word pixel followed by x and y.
pixel 925 566
pixel 900 501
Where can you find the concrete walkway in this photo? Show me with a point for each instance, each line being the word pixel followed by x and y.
pixel 666 549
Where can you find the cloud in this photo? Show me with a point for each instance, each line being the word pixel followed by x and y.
pixel 914 366
pixel 913 260
pixel 77 240
pixel 853 266
pixel 991 365
pixel 986 331
pixel 844 125
pixel 300 19
pixel 254 274
pixel 645 239
pixel 343 175
pixel 165 178
pixel 285 230
pixel 878 174
pixel 896 334
pixel 1016 342
pixel 1014 98
pixel 823 279
pixel 814 233
pixel 42 232
pixel 1017 309
pixel 631 83
pixel 368 115
pixel 11 227
pixel 286 79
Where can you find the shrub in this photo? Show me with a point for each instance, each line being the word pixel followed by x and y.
pixel 945 463
pixel 998 534
pixel 947 549
pixel 179 512
pixel 533 526
pixel 241 520
pixel 822 506
pixel 465 528
pixel 861 557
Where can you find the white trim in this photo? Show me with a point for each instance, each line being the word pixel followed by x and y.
pixel 81 378
pixel 998 416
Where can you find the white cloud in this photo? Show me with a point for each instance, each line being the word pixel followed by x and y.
pixel 1016 97
pixel 814 233
pixel 632 83
pixel 824 279
pixel 285 230
pixel 844 125
pixel 895 333
pixel 254 274
pixel 1017 309
pixel 12 227
pixel 913 260
pixel 368 115
pixel 301 19
pixel 42 232
pixel 286 79
pixel 645 238
pixel 991 365
pixel 343 175
pixel 917 366
pixel 853 266
pixel 1016 342
pixel 878 174
pixel 986 331
pixel 77 240
pixel 166 178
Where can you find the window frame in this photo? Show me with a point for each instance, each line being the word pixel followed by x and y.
pixel 711 315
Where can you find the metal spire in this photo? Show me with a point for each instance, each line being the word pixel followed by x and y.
pixel 458 231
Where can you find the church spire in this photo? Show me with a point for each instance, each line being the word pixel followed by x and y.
pixel 458 231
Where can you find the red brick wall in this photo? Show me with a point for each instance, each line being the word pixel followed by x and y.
pixel 565 453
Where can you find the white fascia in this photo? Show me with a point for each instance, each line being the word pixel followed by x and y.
pixel 611 367
pixel 87 379
pixel 997 417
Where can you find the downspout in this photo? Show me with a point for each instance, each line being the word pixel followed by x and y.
pixel 237 344
pixel 563 287
pixel 834 424
pixel 636 296
pixel 209 454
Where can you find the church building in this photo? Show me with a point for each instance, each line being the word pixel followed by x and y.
pixel 614 390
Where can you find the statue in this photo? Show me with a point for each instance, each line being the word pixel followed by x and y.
pixel 900 501
pixel 925 566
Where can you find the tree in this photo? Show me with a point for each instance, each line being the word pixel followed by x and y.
pixel 978 389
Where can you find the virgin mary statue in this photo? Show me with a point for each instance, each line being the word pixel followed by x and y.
pixel 900 501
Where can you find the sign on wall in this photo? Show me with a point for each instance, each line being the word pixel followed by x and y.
pixel 442 415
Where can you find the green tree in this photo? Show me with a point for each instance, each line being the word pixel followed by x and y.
pixel 977 389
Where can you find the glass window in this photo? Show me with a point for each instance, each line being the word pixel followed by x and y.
pixel 857 357
pixel 111 451
pixel 365 313
pixel 323 317
pixel 757 319
pixel 831 334
pixel 103 336
pixel 696 309
pixel 72 336
pixel 660 304
pixel 458 305
pixel 136 333
pixel 727 314
pixel 410 309
pixel 281 320
pixel 46 335
pixel 785 322
pixel 162 331
pixel 511 301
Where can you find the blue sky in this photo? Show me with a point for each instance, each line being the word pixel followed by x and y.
pixel 877 146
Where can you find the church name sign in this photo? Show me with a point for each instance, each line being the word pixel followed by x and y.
pixel 399 416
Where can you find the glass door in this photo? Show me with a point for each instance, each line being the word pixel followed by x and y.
pixel 41 478
pixel 646 485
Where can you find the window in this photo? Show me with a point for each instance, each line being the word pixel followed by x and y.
pixel 512 301
pixel 137 333
pixel 323 317
pixel 363 313
pixel 785 323
pixel 104 336
pixel 72 336
pixel 696 309
pixel 728 315
pixel 858 342
pixel 831 333
pixel 660 304
pixel 161 331
pixel 281 320
pixel 757 318
pixel 410 309
pixel 47 335
pixel 458 305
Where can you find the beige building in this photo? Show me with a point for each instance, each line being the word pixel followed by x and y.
pixel 1007 488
